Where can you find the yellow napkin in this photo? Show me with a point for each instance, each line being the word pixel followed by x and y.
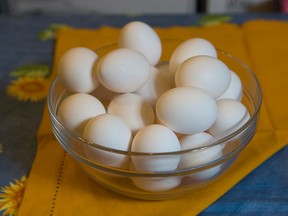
pixel 56 184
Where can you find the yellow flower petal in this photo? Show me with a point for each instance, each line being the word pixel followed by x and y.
pixel 11 197
pixel 29 88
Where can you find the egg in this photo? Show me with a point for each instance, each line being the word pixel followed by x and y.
pixel 231 114
pixel 77 70
pixel 235 90
pixel 157 184
pixel 205 72
pixel 141 37
pixel 77 109
pixel 123 70
pixel 186 110
pixel 243 121
pixel 133 109
pixel 155 139
pixel 158 83
pixel 200 156
pixel 189 48
pixel 109 131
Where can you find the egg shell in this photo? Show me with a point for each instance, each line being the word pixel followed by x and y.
pixel 157 184
pixel 240 124
pixel 230 115
pixel 205 72
pixel 245 119
pixel 77 70
pixel 186 110
pixel 200 156
pixel 77 109
pixel 155 139
pixel 123 70
pixel 235 90
pixel 158 83
pixel 133 109
pixel 189 48
pixel 207 174
pixel 109 131
pixel 141 37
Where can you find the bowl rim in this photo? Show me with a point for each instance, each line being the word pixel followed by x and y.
pixel 253 116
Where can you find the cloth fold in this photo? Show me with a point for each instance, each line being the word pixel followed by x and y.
pixel 56 184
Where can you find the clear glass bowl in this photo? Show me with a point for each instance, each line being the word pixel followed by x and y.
pixel 161 185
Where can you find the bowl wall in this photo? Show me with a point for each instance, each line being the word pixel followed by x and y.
pixel 165 184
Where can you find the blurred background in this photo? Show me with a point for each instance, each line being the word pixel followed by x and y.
pixel 139 7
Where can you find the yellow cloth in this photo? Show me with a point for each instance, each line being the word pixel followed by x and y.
pixel 260 44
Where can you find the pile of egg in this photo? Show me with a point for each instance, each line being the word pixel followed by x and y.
pixel 128 100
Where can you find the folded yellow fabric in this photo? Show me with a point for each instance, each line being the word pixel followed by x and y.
pixel 57 186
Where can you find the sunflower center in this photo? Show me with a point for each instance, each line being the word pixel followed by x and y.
pixel 32 87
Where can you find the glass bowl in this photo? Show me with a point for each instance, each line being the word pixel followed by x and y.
pixel 163 184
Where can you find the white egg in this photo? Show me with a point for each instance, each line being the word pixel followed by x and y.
pixel 206 175
pixel 141 37
pixel 157 184
pixel 77 109
pixel 240 124
pixel 123 70
pixel 245 119
pixel 189 48
pixel 186 110
pixel 155 139
pixel 205 72
pixel 158 83
pixel 230 115
pixel 109 131
pixel 77 70
pixel 198 157
pixel 234 90
pixel 201 156
pixel 133 109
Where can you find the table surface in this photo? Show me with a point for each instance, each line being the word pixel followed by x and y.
pixel 263 192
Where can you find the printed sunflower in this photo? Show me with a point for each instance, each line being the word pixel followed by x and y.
pixel 51 31
pixel 11 197
pixel 29 88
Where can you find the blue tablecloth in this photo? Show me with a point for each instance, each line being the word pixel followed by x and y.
pixel 263 192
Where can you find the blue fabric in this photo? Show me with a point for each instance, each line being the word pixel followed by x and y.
pixel 263 192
